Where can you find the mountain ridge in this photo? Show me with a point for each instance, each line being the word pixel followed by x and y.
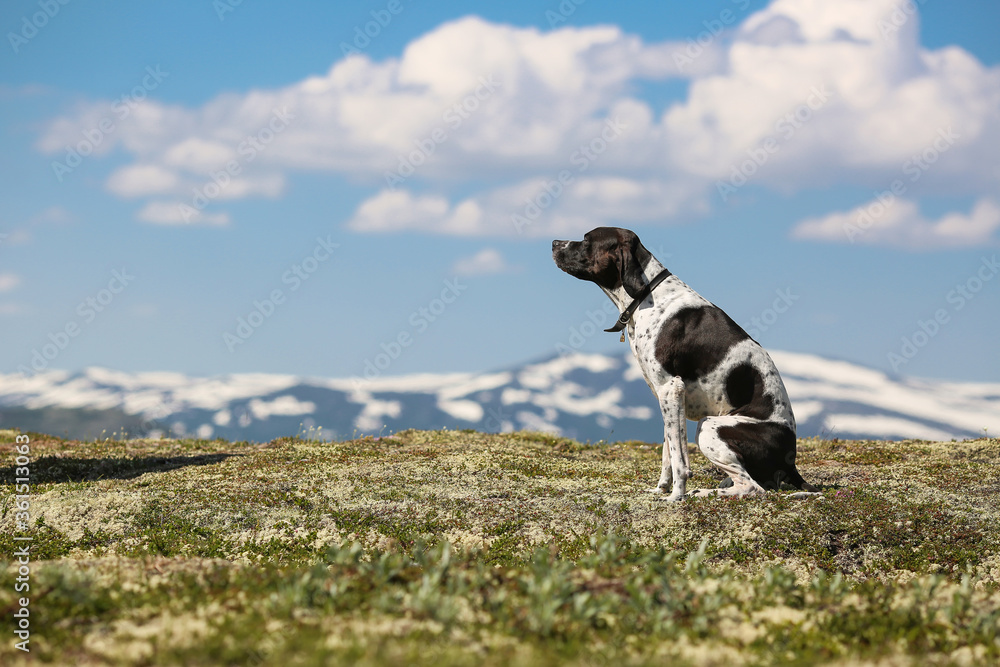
pixel 585 396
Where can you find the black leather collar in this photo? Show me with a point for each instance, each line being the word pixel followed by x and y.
pixel 624 318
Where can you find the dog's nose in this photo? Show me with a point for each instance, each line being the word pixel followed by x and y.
pixel 558 244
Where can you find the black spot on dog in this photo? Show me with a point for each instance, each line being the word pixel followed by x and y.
pixel 695 340
pixel 745 391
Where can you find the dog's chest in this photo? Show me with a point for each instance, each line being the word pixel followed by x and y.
pixel 702 396
pixel 670 298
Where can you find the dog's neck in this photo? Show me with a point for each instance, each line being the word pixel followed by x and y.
pixel 621 298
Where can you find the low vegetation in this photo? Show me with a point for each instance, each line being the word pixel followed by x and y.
pixel 463 548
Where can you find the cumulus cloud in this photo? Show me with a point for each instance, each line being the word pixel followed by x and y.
pixel 802 94
pixel 399 211
pixel 535 208
pixel 898 222
pixel 24 233
pixel 172 213
pixel 485 262
pixel 9 281
pixel 142 179
pixel 886 99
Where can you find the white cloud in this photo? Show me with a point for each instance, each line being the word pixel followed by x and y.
pixel 844 92
pixel 899 223
pixel 52 215
pixel 9 281
pixel 141 180
pixel 15 237
pixel 887 98
pixel 485 262
pixel 175 213
pixel 56 215
pixel 535 208
pixel 398 211
pixel 11 309
pixel 485 98
pixel 199 155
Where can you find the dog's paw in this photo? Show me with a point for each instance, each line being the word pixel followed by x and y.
pixel 659 490
pixel 670 498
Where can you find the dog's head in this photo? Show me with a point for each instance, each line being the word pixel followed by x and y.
pixel 609 256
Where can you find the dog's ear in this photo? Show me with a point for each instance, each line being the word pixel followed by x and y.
pixel 632 260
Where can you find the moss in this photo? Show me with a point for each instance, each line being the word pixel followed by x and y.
pixel 452 547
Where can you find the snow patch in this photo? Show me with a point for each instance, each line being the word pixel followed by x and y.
pixel 474 384
pixel 529 421
pixel 371 416
pixel 469 411
pixel 510 396
pixel 883 426
pixel 282 406
pixel 546 374
pixel 427 383
pixel 806 410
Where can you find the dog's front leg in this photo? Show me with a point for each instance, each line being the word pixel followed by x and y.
pixel 674 463
pixel 663 486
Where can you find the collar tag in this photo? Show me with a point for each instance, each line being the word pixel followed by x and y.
pixel 624 318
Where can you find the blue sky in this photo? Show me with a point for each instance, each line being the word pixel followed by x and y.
pixel 211 187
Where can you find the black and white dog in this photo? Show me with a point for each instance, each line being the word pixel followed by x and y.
pixel 699 364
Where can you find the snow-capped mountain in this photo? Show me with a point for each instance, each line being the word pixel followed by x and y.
pixel 584 396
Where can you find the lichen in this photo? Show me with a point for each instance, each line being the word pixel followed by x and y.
pixel 442 547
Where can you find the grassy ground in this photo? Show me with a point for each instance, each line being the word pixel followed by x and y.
pixel 461 548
